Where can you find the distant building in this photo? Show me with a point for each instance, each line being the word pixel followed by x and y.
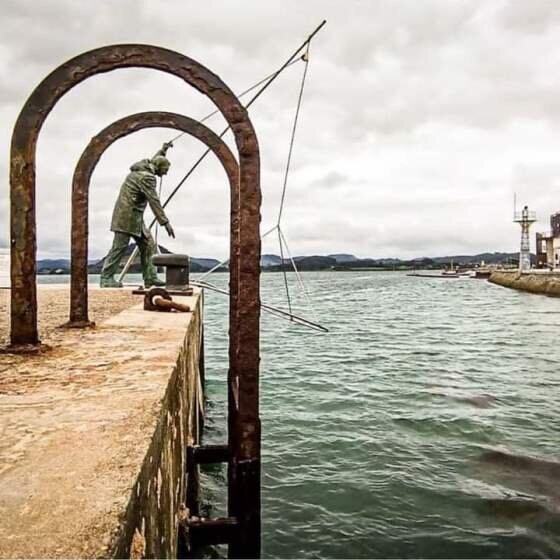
pixel 548 245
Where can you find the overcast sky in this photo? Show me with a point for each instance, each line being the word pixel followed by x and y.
pixel 420 118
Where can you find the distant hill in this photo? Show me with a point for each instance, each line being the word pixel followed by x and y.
pixel 204 265
pixel 51 266
pixel 54 263
pixel 337 261
pixel 56 266
pixel 270 260
pixel 488 258
pixel 343 258
pixel 315 262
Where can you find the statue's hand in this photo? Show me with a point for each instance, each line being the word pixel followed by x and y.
pixel 169 230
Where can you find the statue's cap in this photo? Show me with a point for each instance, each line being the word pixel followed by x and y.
pixel 160 160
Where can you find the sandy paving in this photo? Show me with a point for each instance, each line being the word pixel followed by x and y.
pixel 78 422
pixel 53 306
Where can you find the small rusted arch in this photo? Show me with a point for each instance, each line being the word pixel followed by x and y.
pixel 81 183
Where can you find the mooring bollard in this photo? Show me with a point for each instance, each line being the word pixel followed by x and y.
pixel 176 270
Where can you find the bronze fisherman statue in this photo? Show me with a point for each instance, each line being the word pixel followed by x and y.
pixel 137 191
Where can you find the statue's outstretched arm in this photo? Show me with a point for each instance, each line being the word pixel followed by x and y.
pixel 163 150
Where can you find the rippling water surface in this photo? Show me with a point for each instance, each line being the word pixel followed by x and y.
pixel 426 423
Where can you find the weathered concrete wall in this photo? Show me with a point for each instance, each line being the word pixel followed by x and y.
pixel 547 283
pixel 94 436
pixel 151 523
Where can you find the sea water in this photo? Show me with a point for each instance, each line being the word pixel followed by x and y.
pixel 426 423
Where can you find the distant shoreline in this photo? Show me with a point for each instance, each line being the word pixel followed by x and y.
pixel 273 271
pixel 340 262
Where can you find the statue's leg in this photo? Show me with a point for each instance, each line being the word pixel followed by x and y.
pixel 147 248
pixel 113 259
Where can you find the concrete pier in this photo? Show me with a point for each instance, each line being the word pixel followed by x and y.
pixel 95 429
pixel 536 282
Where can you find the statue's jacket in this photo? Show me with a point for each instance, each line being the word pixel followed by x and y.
pixel 137 191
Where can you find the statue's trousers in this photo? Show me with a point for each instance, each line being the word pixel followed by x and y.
pixel 146 247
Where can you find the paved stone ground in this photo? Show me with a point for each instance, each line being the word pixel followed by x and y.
pixel 76 421
pixel 54 304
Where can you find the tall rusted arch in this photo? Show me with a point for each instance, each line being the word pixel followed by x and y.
pixel 243 379
pixel 81 183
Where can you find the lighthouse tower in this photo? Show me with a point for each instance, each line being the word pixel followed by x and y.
pixel 525 219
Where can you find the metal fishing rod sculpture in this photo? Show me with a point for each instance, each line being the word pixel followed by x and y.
pixel 282 241
pixel 283 244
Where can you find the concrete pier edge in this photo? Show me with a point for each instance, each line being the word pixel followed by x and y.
pixel 96 431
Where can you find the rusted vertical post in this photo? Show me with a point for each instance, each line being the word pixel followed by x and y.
pixel 244 422
pixel 23 233
pixel 79 242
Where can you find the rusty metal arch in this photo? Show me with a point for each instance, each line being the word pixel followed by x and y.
pixel 243 378
pixel 81 183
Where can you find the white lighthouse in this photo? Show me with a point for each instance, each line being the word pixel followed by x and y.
pixel 525 219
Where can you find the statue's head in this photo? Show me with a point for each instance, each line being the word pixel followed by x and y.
pixel 161 165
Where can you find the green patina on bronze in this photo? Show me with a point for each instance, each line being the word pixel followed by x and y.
pixel 137 191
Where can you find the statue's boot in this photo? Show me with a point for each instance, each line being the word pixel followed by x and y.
pixel 109 282
pixel 149 282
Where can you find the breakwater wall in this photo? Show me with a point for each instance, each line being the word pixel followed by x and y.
pixel 546 283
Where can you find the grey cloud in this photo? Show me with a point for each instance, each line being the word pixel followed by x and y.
pixel 419 119
pixel 331 180
pixel 530 17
